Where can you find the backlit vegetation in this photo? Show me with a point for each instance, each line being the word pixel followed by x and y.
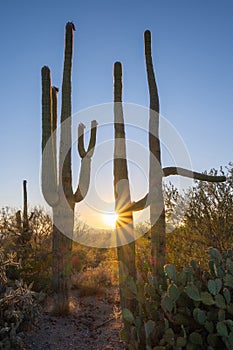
pixel 190 308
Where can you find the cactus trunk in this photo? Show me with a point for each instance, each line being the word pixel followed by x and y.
pixel 124 225
pixel 62 248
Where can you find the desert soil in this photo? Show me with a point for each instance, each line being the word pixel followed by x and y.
pixel 94 323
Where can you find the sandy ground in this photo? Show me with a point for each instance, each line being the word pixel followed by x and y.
pixel 94 323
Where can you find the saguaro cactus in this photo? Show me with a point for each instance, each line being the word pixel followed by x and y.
pixel 158 242
pixel 124 224
pixel 154 198
pixel 25 207
pixel 123 207
pixel 57 178
pixel 23 222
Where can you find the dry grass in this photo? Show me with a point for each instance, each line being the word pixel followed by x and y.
pixel 94 281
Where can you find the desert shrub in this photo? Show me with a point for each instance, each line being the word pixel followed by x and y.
pixel 94 281
pixel 191 309
pixel 35 252
pixel 198 218
pixel 84 257
pixel 18 306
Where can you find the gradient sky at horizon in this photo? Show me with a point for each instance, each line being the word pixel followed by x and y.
pixel 192 52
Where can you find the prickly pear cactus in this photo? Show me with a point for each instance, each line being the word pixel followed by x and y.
pixel 191 309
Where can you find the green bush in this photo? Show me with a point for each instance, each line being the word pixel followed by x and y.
pixel 191 309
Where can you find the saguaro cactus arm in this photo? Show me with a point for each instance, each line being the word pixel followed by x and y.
pixel 146 200
pixel 192 174
pixel 49 156
pixel 84 177
pixel 54 131
pixel 46 105
pixel 81 148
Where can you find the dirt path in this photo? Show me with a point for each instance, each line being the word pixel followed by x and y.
pixel 94 324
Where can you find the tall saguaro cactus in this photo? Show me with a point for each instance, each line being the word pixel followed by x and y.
pixel 157 210
pixel 57 178
pixel 154 198
pixel 124 208
pixel 124 224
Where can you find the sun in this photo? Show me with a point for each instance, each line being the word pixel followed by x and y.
pixel 110 219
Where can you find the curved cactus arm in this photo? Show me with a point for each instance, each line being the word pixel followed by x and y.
pixel 84 180
pixel 85 171
pixel 81 148
pixel 65 173
pixel 140 204
pixel 146 200
pixel 49 181
pixel 92 142
pixel 192 174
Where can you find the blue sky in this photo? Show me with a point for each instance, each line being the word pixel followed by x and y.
pixel 193 55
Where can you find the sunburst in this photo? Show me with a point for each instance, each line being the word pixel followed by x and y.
pixel 110 219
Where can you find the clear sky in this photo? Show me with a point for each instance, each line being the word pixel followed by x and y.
pixel 193 58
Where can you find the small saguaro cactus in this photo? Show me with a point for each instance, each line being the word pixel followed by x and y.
pixel 23 222
pixel 57 176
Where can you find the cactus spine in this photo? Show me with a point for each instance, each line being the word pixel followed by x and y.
pixel 57 178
